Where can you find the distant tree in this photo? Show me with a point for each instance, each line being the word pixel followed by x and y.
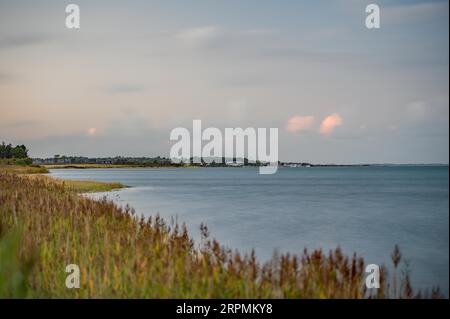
pixel 8 151
pixel 20 151
pixel 3 150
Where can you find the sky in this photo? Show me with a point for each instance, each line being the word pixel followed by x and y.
pixel 337 91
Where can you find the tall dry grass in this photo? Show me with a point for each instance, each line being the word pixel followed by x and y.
pixel 46 226
pixel 5 166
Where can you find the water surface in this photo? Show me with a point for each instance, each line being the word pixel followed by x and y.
pixel 362 209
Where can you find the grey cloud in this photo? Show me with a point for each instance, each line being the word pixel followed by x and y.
pixel 414 11
pixel 8 131
pixel 298 53
pixel 214 38
pixel 124 88
pixel 25 39
pixel 243 81
pixel 20 124
pixel 6 77
pixel 256 44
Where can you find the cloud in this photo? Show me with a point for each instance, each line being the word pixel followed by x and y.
pixel 416 110
pixel 91 131
pixel 290 52
pixel 124 88
pixel 415 11
pixel 330 123
pixel 258 32
pixel 237 109
pixel 299 123
pixel 6 78
pixel 198 35
pixel 427 113
pixel 21 124
pixel 26 39
pixel 214 37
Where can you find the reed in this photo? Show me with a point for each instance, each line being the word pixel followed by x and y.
pixel 78 186
pixel 45 225
pixel 22 169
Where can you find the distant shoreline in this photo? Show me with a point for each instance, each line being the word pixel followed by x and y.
pixel 112 166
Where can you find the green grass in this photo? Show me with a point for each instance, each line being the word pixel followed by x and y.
pixel 90 186
pixel 45 226
pixel 13 270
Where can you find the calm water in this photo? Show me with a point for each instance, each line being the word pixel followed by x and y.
pixel 362 209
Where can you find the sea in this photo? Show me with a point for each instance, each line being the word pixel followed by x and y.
pixel 362 209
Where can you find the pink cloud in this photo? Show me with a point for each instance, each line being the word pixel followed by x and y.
pixel 92 131
pixel 330 123
pixel 299 123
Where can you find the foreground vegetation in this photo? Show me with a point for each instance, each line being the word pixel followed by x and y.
pixel 80 186
pixel 45 225
pixel 36 171
pixel 13 167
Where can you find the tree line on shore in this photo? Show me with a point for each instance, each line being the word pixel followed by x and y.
pixel 16 155
pixel 10 151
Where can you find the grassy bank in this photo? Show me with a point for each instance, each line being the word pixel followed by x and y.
pixel 91 186
pixel 78 186
pixel 45 225
pixel 23 169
